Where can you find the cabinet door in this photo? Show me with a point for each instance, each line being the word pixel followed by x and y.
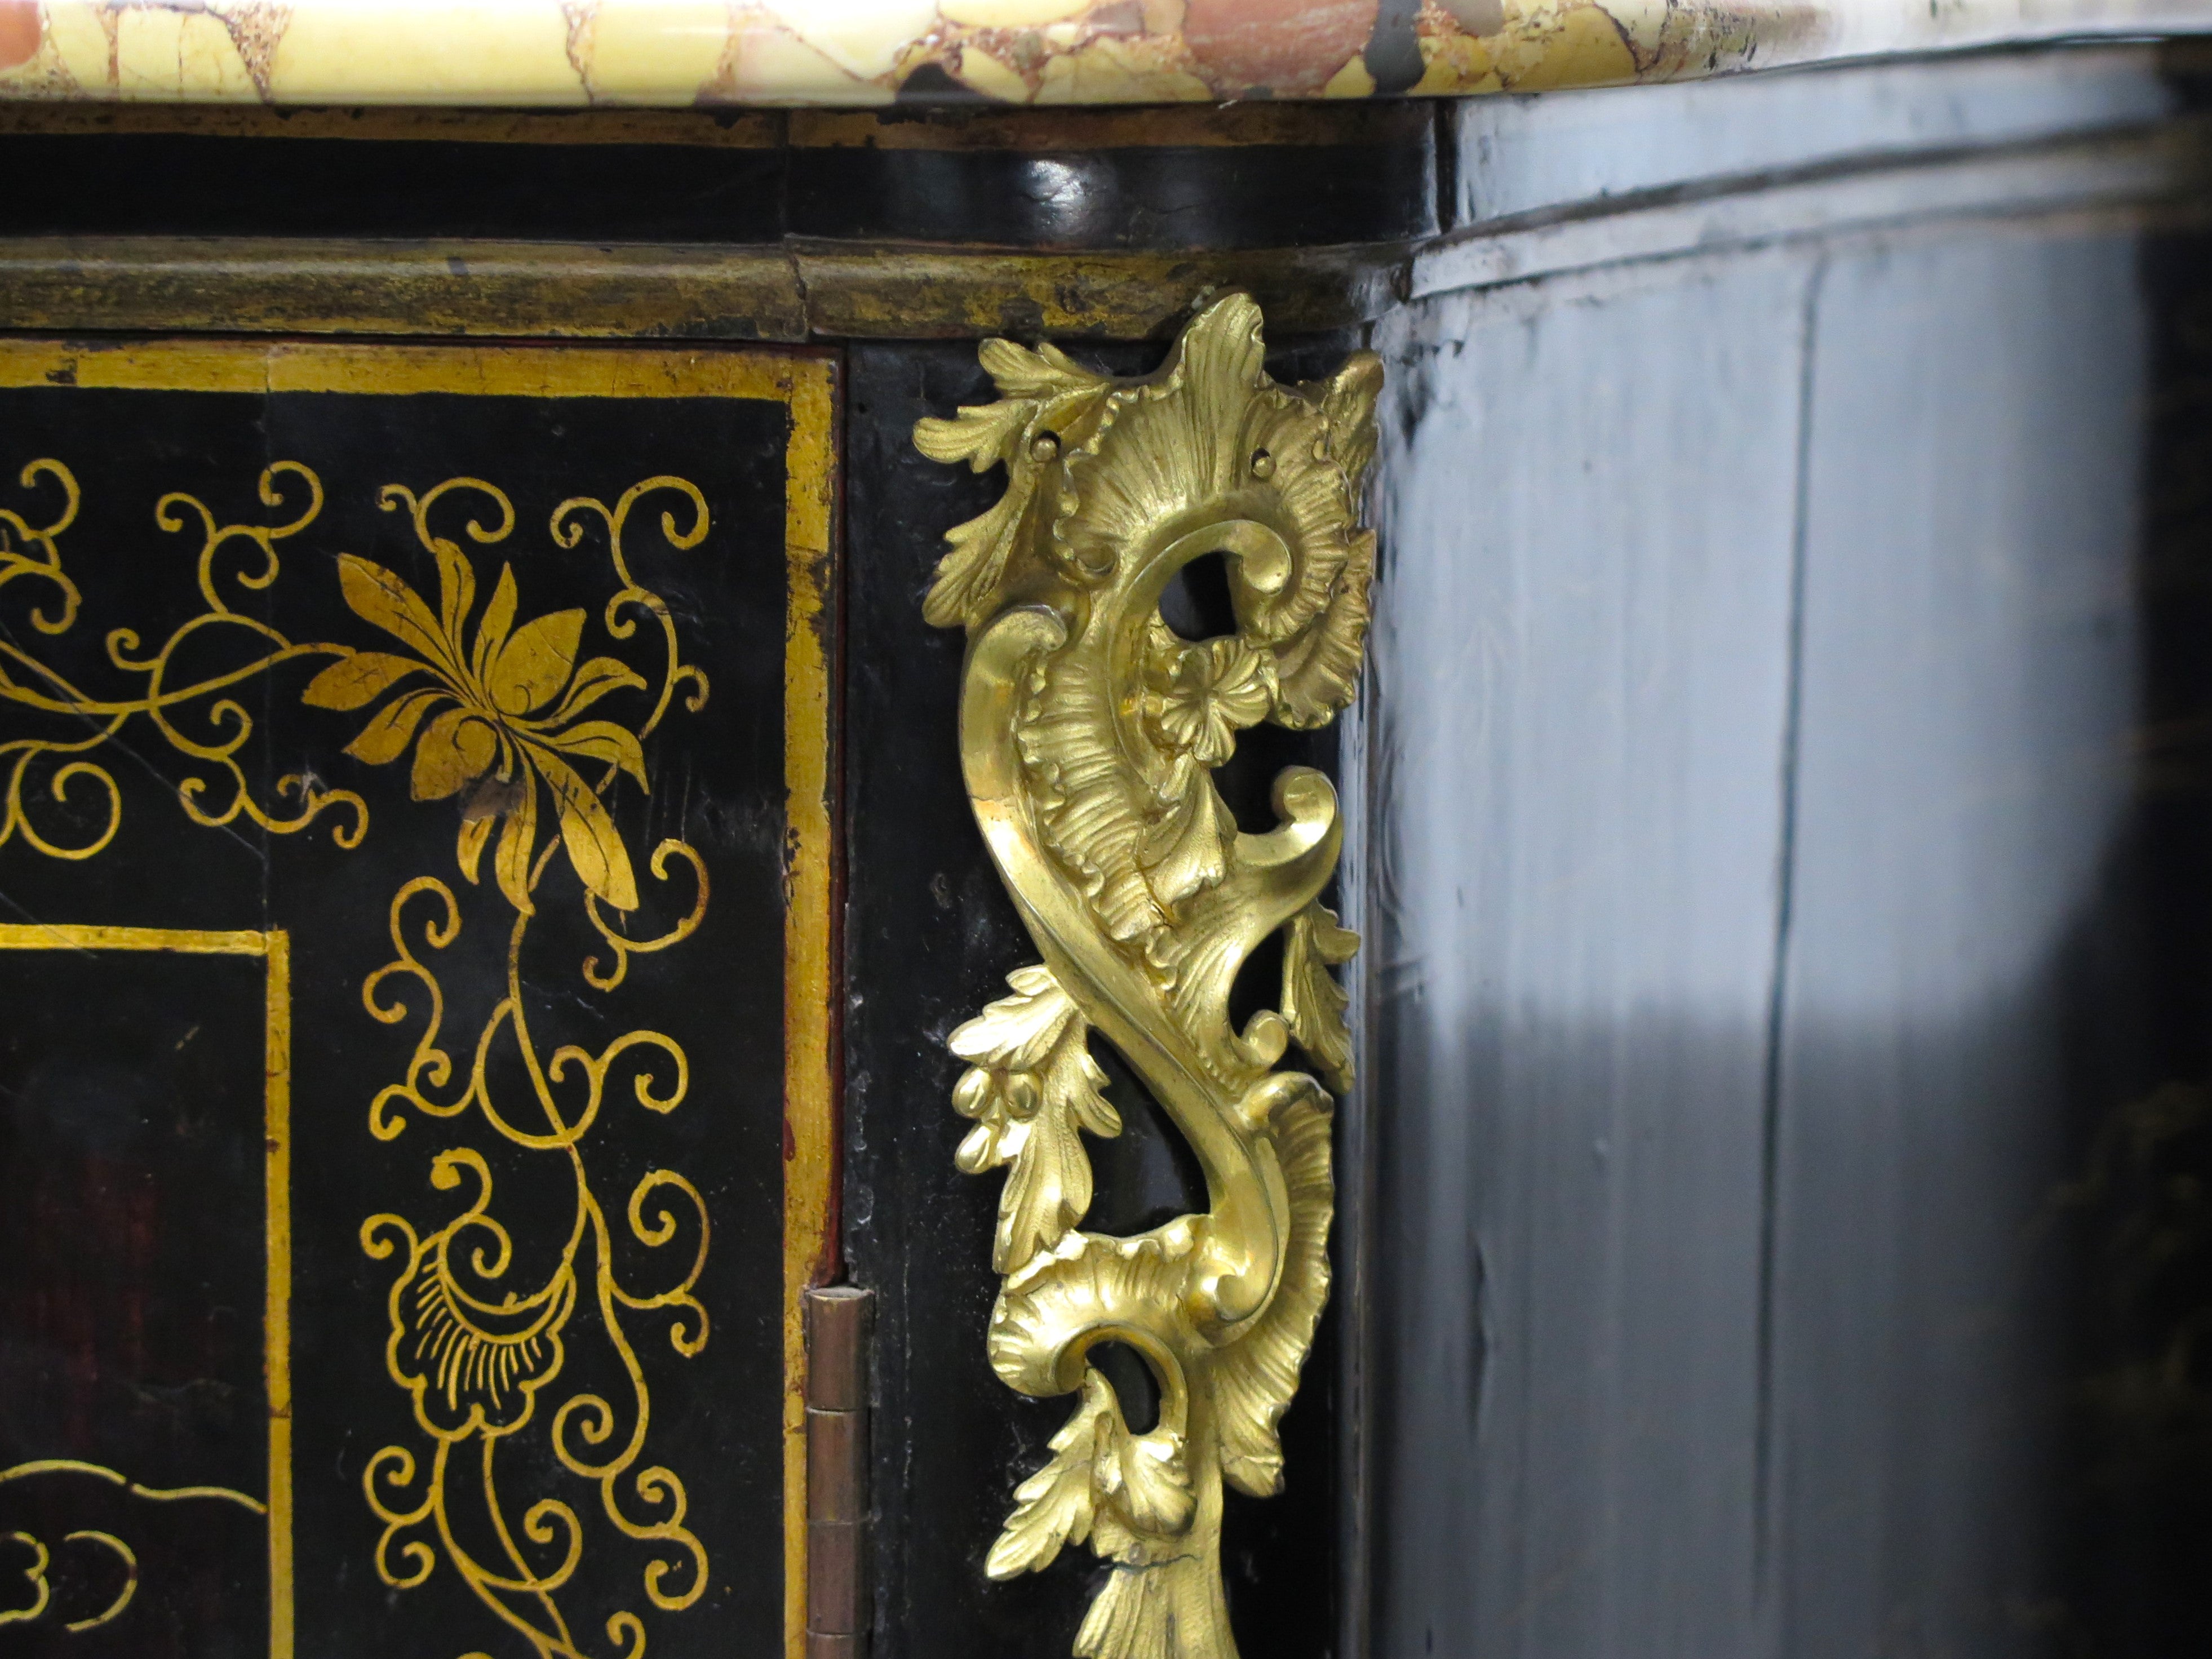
pixel 413 1093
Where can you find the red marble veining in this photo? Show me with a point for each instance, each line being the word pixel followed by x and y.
pixel 1287 48
pixel 19 32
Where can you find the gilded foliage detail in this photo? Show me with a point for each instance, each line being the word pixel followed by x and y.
pixel 1091 730
pixel 1030 1085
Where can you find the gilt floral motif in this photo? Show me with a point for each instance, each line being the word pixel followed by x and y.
pixel 507 714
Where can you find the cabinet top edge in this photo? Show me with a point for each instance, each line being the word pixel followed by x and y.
pixel 924 55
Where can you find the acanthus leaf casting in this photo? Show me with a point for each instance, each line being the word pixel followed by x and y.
pixel 1089 733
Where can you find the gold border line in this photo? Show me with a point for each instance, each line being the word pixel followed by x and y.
pixel 580 370
pixel 805 383
pixel 39 1466
pixel 190 941
pixel 275 949
pixel 277 1175
pixel 809 974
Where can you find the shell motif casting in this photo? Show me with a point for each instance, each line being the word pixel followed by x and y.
pixel 1089 731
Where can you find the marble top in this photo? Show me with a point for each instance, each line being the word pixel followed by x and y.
pixel 680 52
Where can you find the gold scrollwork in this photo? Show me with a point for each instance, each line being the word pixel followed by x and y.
pixel 42 1557
pixel 124 1553
pixel 42 1590
pixel 1089 733
pixel 494 712
pixel 116 1478
pixel 42 1587
pixel 229 648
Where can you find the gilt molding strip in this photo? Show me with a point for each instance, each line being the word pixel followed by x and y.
pixel 1089 733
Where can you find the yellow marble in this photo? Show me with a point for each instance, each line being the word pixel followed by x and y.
pixel 1352 81
pixel 979 72
pixel 1010 14
pixel 678 52
pixel 863 37
pixel 171 54
pixel 764 63
pixel 675 43
pixel 466 51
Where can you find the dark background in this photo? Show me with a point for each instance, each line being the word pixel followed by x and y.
pixel 130 1311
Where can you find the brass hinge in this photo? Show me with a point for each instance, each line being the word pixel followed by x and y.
pixel 837 1472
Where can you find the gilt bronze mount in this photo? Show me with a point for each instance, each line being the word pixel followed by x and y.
pixel 1089 734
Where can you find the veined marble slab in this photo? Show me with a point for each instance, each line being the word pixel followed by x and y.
pixel 667 53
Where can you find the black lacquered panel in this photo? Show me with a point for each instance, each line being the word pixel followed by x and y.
pixel 1789 886
pixel 216 184
pixel 395 814
pixel 133 1121
pixel 1157 181
pixel 1162 196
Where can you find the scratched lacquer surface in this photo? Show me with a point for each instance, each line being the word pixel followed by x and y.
pixel 393 844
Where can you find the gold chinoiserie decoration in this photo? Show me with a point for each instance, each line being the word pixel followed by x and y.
pixel 1089 734
pixel 495 709
pixel 502 712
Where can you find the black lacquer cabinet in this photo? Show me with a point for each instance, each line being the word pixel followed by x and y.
pixel 489 893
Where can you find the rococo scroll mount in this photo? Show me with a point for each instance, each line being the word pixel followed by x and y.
pixel 1089 733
